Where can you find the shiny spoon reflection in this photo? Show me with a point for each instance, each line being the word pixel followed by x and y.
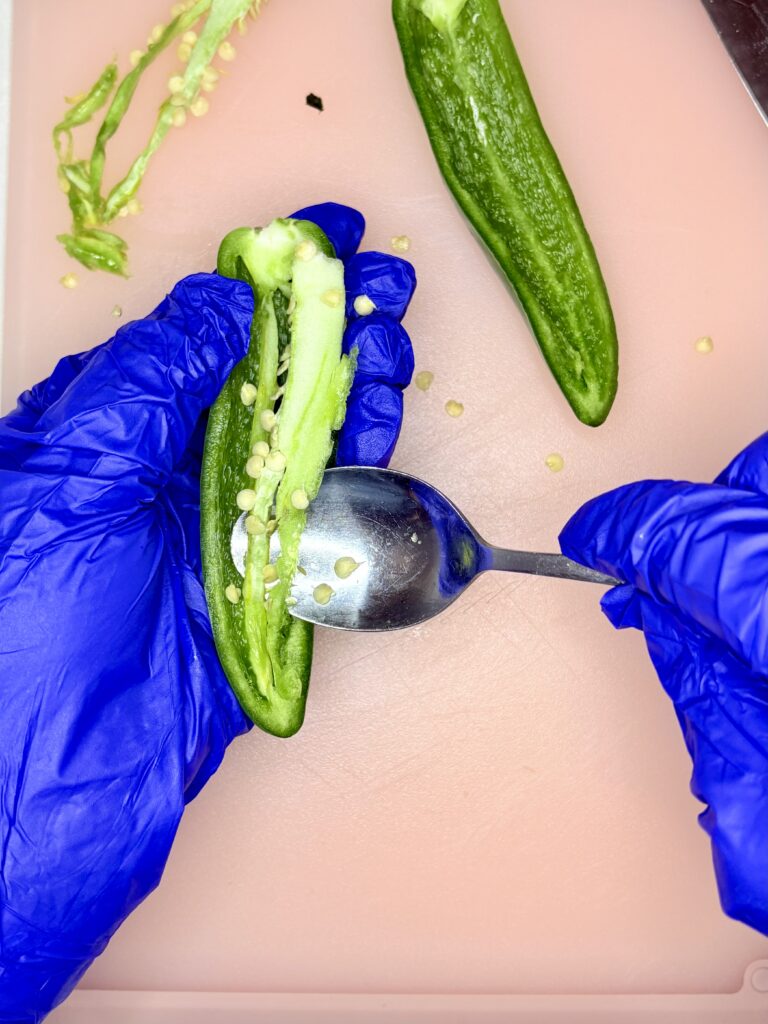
pixel 388 551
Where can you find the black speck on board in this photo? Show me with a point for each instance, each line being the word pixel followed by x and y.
pixel 314 101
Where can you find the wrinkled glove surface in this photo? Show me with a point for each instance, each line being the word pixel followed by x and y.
pixel 695 558
pixel 114 709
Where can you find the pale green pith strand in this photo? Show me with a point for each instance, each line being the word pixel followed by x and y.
pixel 315 395
pixel 291 427
pixel 442 13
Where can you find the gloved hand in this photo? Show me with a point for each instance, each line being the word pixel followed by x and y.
pixel 695 558
pixel 114 710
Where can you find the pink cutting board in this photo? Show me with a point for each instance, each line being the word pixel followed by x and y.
pixel 496 801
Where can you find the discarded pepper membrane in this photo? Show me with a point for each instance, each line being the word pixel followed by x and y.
pixel 91 206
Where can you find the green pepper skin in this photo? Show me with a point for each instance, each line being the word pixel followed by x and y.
pixel 221 479
pixel 496 158
pixel 266 652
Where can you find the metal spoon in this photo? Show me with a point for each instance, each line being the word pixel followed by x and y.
pixel 414 552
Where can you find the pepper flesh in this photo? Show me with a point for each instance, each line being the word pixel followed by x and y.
pixel 496 158
pixel 266 653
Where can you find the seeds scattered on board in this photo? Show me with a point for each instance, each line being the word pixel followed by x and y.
pixel 704 345
pixel 454 408
pixel 554 462
pixel 423 380
pixel 363 305
pixel 117 311
pixel 400 243
pixel 322 593
pixel 345 566
pixel 69 281
pixel 227 51
pixel 232 593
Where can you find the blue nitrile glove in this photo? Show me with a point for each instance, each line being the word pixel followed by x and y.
pixel 695 557
pixel 114 710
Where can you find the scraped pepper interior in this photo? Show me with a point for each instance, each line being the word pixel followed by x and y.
pixel 269 438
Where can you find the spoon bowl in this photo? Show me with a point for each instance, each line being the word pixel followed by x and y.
pixel 394 551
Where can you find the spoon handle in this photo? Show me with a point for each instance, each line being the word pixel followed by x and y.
pixel 538 564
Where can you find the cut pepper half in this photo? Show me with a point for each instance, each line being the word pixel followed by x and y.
pixel 269 438
pixel 499 164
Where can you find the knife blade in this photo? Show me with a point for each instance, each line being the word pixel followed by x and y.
pixel 743 28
